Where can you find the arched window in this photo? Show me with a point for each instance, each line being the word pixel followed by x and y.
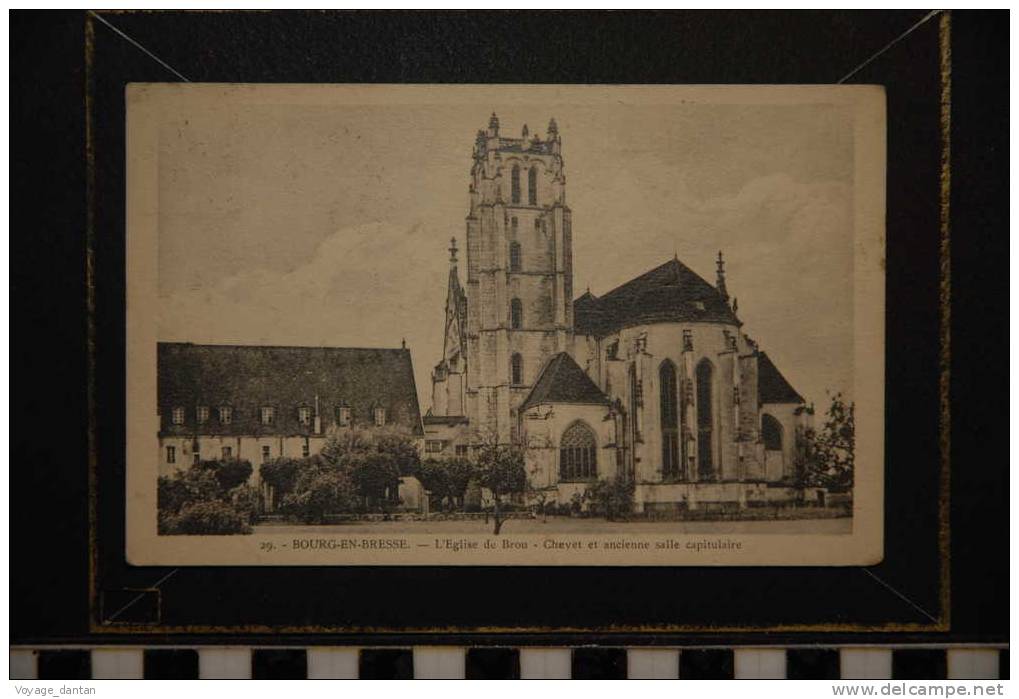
pixel 514 256
pixel 516 370
pixel 671 468
pixel 513 225
pixel 532 186
pixel 515 185
pixel 516 314
pixel 705 420
pixel 771 432
pixel 578 454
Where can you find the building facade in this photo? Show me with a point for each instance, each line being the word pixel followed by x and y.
pixel 655 381
pixel 259 403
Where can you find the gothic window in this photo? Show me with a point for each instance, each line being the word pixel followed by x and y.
pixel 771 432
pixel 516 314
pixel 517 370
pixel 514 256
pixel 705 419
pixel 669 421
pixel 515 185
pixel 532 186
pixel 578 454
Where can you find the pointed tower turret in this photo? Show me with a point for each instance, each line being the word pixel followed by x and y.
pixel 448 376
pixel 720 282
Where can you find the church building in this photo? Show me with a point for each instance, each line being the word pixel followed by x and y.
pixel 655 382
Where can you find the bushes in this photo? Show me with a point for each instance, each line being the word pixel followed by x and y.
pixel 611 498
pixel 318 493
pixel 446 479
pixel 209 518
pixel 232 472
pixel 199 501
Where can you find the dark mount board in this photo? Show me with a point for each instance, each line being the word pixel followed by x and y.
pixel 67 64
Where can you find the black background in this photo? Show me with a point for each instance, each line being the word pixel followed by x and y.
pixel 48 480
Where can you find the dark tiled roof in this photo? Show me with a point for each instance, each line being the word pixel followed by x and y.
pixel 772 387
pixel 670 293
pixel 287 378
pixel 563 381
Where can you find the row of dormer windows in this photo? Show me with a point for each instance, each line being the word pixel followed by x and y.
pixel 267 415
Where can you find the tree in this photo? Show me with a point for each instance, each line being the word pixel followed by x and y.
pixel 319 490
pixel 194 502
pixel 826 456
pixel 434 476
pixel 446 479
pixel 281 475
pixel 375 476
pixel 459 473
pixel 501 470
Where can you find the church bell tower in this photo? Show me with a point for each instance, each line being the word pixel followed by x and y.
pixel 519 272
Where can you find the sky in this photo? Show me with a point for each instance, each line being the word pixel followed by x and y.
pixel 328 224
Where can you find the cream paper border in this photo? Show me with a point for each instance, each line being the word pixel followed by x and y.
pixel 864 546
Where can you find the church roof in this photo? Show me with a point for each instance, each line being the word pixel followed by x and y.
pixel 772 387
pixel 246 378
pixel 563 381
pixel 671 292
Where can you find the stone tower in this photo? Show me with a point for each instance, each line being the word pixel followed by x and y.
pixel 519 272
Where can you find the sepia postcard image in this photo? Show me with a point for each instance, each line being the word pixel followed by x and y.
pixel 505 325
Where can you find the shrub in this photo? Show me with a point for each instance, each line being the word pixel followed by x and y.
pixel 246 501
pixel 232 473
pixel 281 473
pixel 319 492
pixel 611 498
pixel 197 484
pixel 211 517
pixel 375 476
pixel 434 477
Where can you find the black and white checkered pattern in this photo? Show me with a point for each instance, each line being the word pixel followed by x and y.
pixel 442 662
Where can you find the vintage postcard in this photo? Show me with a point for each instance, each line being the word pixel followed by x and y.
pixel 505 325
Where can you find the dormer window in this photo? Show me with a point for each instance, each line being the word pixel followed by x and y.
pixel 268 415
pixel 304 415
pixel 226 414
pixel 380 417
pixel 343 416
pixel 202 414
pixel 178 416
